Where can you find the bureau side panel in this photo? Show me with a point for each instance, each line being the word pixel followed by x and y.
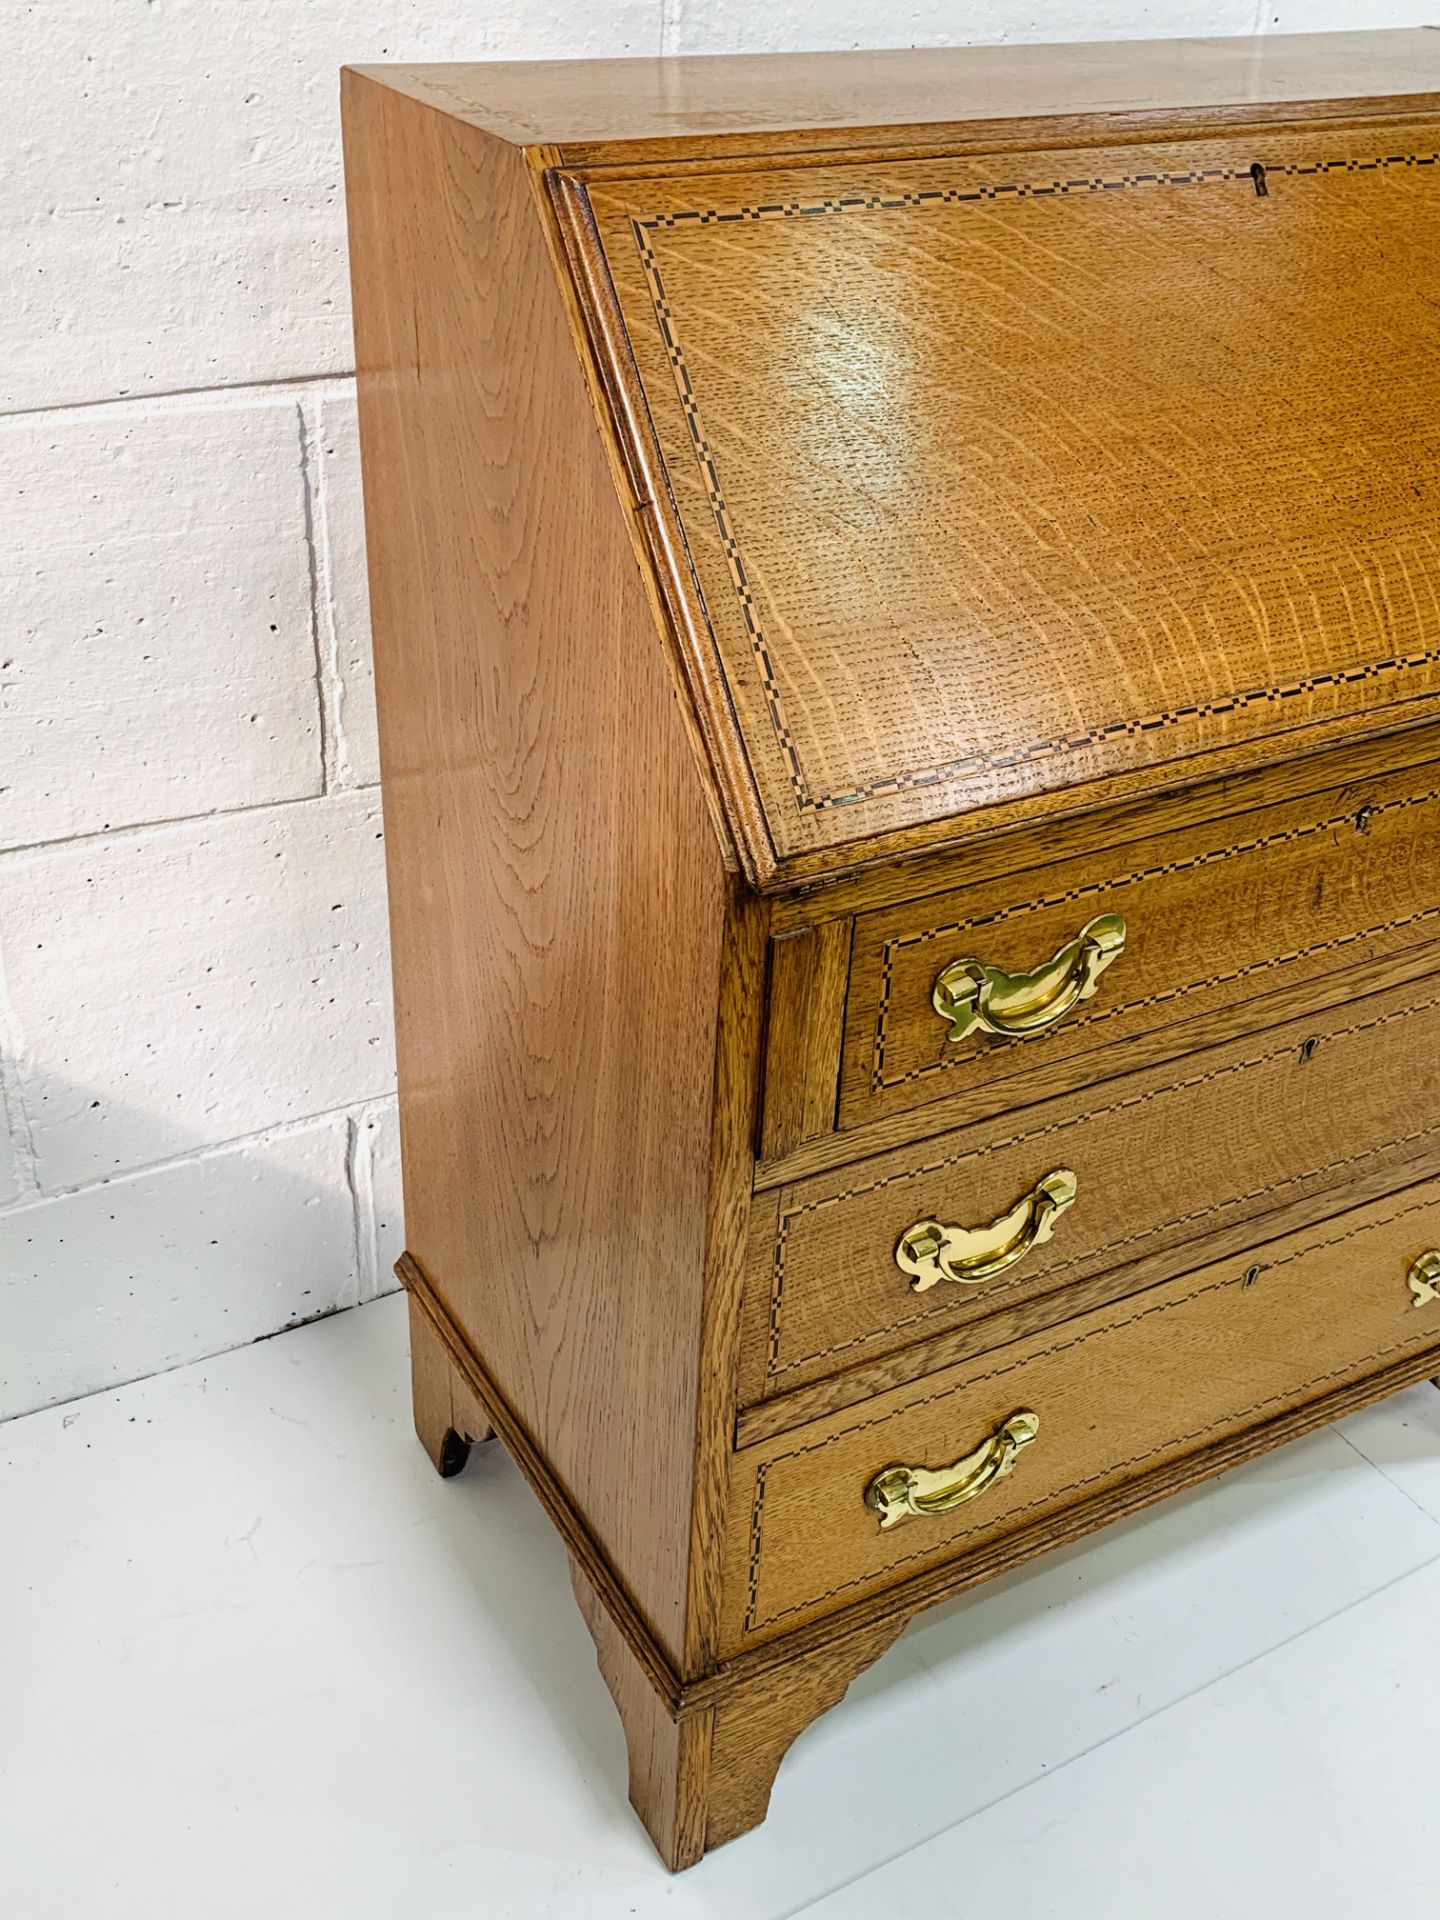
pixel 557 896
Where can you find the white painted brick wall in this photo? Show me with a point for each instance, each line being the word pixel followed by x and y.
pixel 11 1184
pixel 157 1268
pixel 197 1132
pixel 181 986
pixel 344 596
pixel 156 585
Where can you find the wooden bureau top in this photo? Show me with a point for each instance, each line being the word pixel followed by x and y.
pixel 585 103
pixel 995 465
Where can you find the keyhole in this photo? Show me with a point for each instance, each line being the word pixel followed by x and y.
pixel 1307 1050
pixel 1250 1276
pixel 1257 174
pixel 1363 819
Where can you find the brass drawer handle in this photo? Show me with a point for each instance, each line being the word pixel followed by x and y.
pixel 930 1251
pixel 969 994
pixel 1424 1278
pixel 898 1492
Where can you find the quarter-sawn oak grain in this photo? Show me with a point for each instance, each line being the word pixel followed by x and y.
pixel 1056 568
pixel 1160 1158
pixel 607 111
pixel 1215 917
pixel 1118 1391
pixel 826 514
pixel 554 1162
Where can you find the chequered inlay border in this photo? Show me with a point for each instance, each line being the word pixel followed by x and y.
pixel 968 765
pixel 1232 1421
pixel 951 1304
pixel 1091 1014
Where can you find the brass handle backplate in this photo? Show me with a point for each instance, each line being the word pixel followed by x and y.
pixel 970 994
pixel 898 1492
pixel 1423 1278
pixel 930 1251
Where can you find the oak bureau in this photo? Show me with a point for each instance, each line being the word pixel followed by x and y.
pixel 907 614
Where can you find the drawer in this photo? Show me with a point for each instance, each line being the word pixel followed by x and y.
pixel 1130 1401
pixel 1157 1159
pixel 1213 917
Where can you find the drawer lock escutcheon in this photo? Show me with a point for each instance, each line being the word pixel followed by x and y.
pixel 1424 1278
pixel 970 994
pixel 930 1251
pixel 898 1492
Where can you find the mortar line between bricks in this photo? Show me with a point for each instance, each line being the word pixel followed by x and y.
pixel 19 1128
pixel 322 380
pixel 103 836
pixel 359 1178
pixel 309 483
pixel 351 1110
pixel 326 601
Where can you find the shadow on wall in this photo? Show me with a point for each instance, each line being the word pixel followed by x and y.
pixel 217 1246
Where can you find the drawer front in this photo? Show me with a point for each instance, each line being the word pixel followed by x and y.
pixel 1156 1160
pixel 1123 1393
pixel 1213 917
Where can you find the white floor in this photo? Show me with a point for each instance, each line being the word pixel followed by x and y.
pixel 257 1660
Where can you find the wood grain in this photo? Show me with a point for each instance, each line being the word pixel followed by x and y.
pixel 1304 998
pixel 669 1752
pixel 756 1722
pixel 1162 1159
pixel 546 834
pixel 1163 1375
pixel 1015 844
pixel 1035 578
pixel 597 108
pixel 1215 918
pixel 1038 1312
pixel 766 600
pixel 1067 1524
pixel 740 1024
pixel 474 1383
pixel 809 972
pixel 702 1774
pixel 449 1420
